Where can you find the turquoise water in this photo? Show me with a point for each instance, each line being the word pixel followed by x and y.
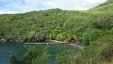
pixel 8 49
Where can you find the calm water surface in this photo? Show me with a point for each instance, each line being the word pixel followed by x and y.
pixel 8 49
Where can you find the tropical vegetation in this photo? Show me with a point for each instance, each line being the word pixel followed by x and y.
pixel 93 28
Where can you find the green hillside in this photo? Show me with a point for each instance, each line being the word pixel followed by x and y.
pixel 40 25
pixel 57 24
pixel 106 7
pixel 94 28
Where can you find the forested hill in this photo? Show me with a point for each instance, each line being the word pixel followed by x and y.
pixel 57 24
pixel 105 7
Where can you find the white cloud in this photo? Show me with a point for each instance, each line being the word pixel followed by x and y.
pixel 29 5
pixel 7 12
pixel 66 4
pixel 73 4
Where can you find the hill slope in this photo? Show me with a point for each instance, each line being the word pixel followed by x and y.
pixel 106 7
pixel 56 24
pixel 40 25
pixel 93 27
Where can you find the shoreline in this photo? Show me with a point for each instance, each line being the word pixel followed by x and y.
pixel 74 44
pixel 49 42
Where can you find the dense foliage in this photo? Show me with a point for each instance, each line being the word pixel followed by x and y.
pixel 93 28
pixel 84 26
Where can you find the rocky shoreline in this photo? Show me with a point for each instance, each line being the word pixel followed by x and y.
pixel 72 43
pixel 19 40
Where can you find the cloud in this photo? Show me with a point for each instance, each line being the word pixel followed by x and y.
pixel 7 12
pixel 73 4
pixel 10 6
pixel 67 4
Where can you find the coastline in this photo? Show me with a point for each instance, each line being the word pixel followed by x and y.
pixel 49 42
pixel 74 44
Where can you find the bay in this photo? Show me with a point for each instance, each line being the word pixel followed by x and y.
pixel 19 50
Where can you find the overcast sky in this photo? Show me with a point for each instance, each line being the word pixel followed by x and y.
pixel 20 6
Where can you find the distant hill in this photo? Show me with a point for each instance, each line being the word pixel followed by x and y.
pixel 63 25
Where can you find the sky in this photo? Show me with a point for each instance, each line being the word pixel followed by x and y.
pixel 21 6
